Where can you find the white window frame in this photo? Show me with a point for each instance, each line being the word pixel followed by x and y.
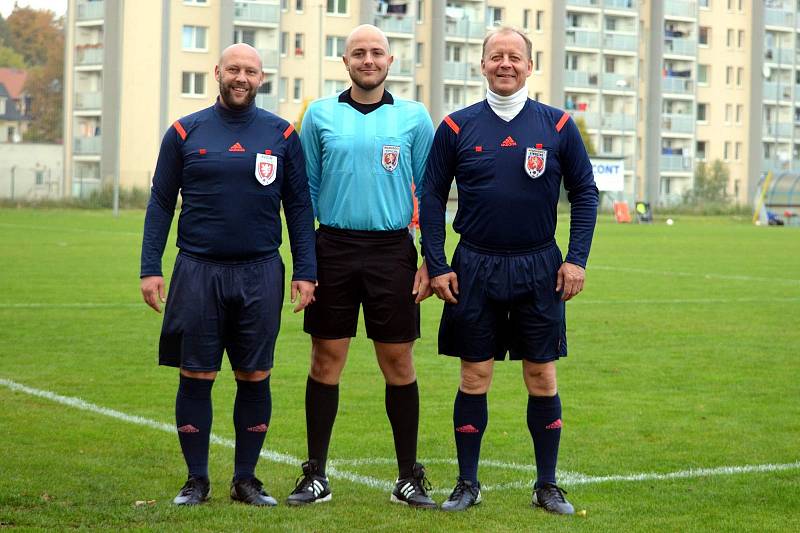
pixel 337 42
pixel 336 12
pixel 193 84
pixel 194 33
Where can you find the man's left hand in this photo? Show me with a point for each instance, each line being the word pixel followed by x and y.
pixel 306 291
pixel 570 280
pixel 422 283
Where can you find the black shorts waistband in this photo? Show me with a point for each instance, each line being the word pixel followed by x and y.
pixel 392 234
pixel 494 250
pixel 229 262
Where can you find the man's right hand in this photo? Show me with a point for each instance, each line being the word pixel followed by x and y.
pixel 153 291
pixel 445 286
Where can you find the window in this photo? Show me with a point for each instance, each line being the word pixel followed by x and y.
pixel 737 152
pixel 39 177
pixel 739 113
pixel 334 46
pixel 608 144
pixel 739 76
pixel 285 5
pixel 704 3
pixel 283 88
pixel 537 65
pixel 298 6
pixel 419 53
pixel 332 87
pixel 452 53
pixel 740 42
pixel 729 38
pixel 611 24
pixel 494 16
pixel 194 38
pixel 418 93
pixel 700 150
pixel 193 84
pixel 702 74
pixel 704 35
pixel 245 36
pixel 611 64
pixel 526 18
pixel 702 110
pixel 539 20
pixel 3 106
pixel 284 43
pixel 726 152
pixel 299 41
pixel 728 113
pixel 195 2
pixel 337 7
pixel 297 93
pixel 730 5
pixel 420 11
pixel 728 75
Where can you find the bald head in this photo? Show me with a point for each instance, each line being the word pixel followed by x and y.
pixel 366 32
pixel 238 52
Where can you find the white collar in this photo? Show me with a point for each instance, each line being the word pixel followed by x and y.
pixel 507 107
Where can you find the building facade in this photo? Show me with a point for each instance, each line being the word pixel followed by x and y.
pixel 661 85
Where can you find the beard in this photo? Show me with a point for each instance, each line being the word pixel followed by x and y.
pixel 226 93
pixel 367 85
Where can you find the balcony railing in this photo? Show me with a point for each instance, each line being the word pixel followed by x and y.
pixel 454 70
pixel 617 82
pixel 402 67
pixel 260 13
pixel 586 3
pixel 269 57
pixel 783 56
pixel 677 123
pixel 676 163
pixel 777 17
pixel 680 46
pixel 88 145
pixel 779 129
pixel 580 78
pixel 395 24
pixel 90 10
pixel 777 91
pixel 88 101
pixel 583 38
pixel 89 56
pixel 617 41
pixel 618 121
pixel 267 101
pixel 676 85
pixel 680 8
pixel 620 4
pixel 465 28
pixel 592 120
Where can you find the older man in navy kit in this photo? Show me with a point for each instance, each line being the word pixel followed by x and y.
pixel 234 165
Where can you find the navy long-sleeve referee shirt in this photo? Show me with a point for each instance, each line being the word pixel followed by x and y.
pixel 233 170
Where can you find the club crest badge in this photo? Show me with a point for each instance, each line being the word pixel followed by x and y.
pixel 390 157
pixel 535 161
pixel 266 168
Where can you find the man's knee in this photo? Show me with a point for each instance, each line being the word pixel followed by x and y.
pixel 327 359
pixel 396 362
pixel 210 376
pixel 256 375
pixel 476 377
pixel 540 378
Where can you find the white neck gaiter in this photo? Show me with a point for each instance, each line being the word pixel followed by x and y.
pixel 507 107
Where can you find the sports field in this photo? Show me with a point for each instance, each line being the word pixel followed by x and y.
pixel 681 394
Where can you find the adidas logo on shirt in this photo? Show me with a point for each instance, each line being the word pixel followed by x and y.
pixel 236 148
pixel 508 142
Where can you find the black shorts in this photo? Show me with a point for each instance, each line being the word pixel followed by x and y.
pixel 506 303
pixel 375 269
pixel 215 306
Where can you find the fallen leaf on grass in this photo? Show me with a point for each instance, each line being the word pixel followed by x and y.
pixel 139 503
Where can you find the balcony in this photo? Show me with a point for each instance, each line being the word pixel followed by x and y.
pixel 267 101
pixel 87 145
pixel 592 120
pixel 87 55
pixel 680 46
pixel 773 90
pixel 677 123
pixel 402 67
pixel 580 79
pixel 676 163
pixel 256 13
pixel 677 85
pixel 617 82
pixel 628 5
pixel 680 8
pixel 269 57
pixel 781 56
pixel 583 38
pixel 465 29
pixel 88 101
pixel 584 3
pixel 456 70
pixel 618 121
pixel 621 42
pixel 396 24
pixel 777 17
pixel 771 130
pixel 90 11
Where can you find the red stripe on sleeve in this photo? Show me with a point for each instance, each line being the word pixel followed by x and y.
pixel 563 120
pixel 288 131
pixel 453 125
pixel 179 129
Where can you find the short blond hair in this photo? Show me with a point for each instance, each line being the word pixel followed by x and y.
pixel 504 30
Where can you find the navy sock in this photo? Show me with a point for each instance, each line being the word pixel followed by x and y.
pixel 252 411
pixel 402 408
pixel 470 417
pixel 322 403
pixel 544 423
pixel 193 418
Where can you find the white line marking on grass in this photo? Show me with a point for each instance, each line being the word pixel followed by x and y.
pixel 71 230
pixel 696 274
pixel 276 457
pixel 565 477
pixel 85 305
pixel 699 301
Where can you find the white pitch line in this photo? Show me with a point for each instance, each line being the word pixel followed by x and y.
pixel 565 477
pixel 56 229
pixel 734 277
pixel 84 305
pixel 679 301
pixel 276 457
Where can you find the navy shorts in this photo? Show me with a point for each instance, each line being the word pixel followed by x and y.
pixel 507 303
pixel 375 269
pixel 214 306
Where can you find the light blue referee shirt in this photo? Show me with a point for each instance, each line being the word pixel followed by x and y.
pixel 360 166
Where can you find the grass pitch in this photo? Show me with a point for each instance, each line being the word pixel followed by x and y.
pixel 681 394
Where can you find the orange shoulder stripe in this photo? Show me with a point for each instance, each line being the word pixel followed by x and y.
pixel 453 125
pixel 179 128
pixel 288 131
pixel 563 120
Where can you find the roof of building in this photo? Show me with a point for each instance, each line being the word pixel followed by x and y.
pixel 14 81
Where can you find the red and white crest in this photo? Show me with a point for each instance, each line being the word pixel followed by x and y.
pixel 266 168
pixel 535 161
pixel 390 157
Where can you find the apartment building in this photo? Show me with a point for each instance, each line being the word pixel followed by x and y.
pixel 659 85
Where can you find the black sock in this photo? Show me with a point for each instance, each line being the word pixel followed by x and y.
pixel 252 411
pixel 193 416
pixel 470 417
pixel 544 423
pixel 402 408
pixel 322 403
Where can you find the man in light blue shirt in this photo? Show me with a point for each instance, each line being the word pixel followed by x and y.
pixel 364 149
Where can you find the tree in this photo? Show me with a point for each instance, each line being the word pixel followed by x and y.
pixel 710 184
pixel 587 140
pixel 36 34
pixel 10 58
